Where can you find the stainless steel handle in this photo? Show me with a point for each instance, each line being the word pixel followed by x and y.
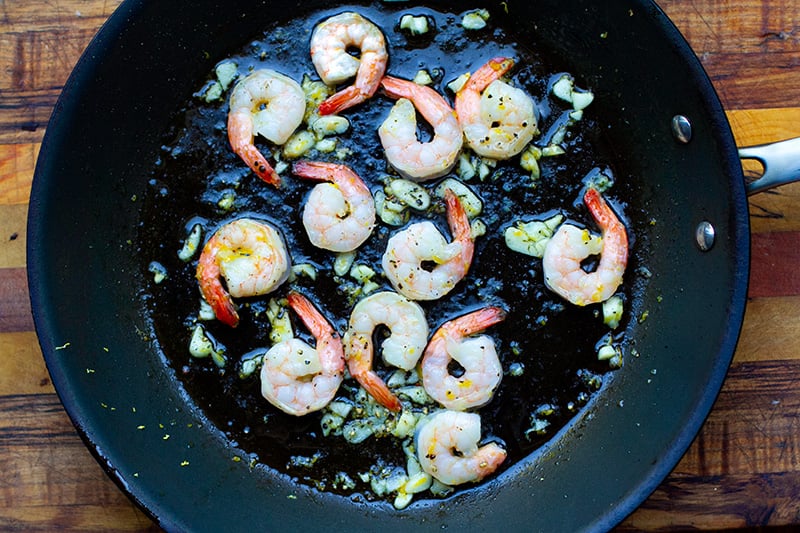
pixel 781 161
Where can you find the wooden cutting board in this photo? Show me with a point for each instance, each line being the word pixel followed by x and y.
pixel 743 470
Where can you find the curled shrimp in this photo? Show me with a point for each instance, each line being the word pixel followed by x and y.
pixel 498 120
pixel 570 245
pixel 447 448
pixel 340 215
pixel 299 379
pixel 410 252
pixel 331 42
pixel 477 356
pixel 269 104
pixel 402 348
pixel 252 257
pixel 398 133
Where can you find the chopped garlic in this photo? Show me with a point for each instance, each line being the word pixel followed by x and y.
pixel 529 160
pixel 226 202
pixel 159 272
pixel 315 92
pixel 477 228
pixel 423 77
pixel 458 83
pixel 564 87
pixel 361 273
pixel 340 408
pixel 250 362
pixel 206 312
pixel 391 213
pixel 606 352
pixel 405 424
pixel 531 237
pixel 191 243
pixel 202 344
pixel 581 100
pixel 304 269
pixel 299 144
pixel 475 20
pixel 411 194
pixel 329 125
pixel 612 311
pixel 226 72
pixel 343 262
pixel 213 92
pixel 402 500
pixel 326 146
pixel 280 324
pixel 417 483
pixel 415 25
pixel 466 169
pixel 552 150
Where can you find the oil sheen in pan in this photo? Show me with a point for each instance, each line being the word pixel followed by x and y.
pixel 553 341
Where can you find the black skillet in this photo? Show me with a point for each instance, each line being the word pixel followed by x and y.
pixel 84 275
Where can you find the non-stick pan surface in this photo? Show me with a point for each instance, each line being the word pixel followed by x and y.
pixel 83 276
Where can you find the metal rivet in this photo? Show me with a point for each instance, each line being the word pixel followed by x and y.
pixel 705 235
pixel 681 129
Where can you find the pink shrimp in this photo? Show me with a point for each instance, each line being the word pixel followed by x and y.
pixel 498 120
pixel 330 42
pixel 283 105
pixel 421 242
pixel 477 356
pixel 570 245
pixel 398 133
pixel 403 348
pixel 340 215
pixel 252 257
pixel 447 448
pixel 297 378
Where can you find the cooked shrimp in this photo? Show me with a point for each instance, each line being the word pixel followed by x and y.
pixel 331 43
pixel 269 104
pixel 482 371
pixel 498 120
pixel 447 448
pixel 410 252
pixel 253 258
pixel 338 216
pixel 570 245
pixel 299 379
pixel 403 348
pixel 410 157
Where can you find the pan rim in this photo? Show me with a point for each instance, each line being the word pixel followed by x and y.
pixel 47 334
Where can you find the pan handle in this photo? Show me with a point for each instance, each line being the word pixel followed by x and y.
pixel 781 161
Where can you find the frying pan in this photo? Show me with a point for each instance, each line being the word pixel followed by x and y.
pixel 83 275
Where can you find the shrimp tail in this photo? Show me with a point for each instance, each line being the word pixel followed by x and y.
pixel 311 317
pixel 374 385
pixel 491 71
pixel 395 87
pixel 216 296
pixel 489 458
pixel 457 217
pixel 608 222
pixel 598 207
pixel 258 164
pixel 314 170
pixel 360 366
pixel 480 320
pixel 342 100
pixel 240 136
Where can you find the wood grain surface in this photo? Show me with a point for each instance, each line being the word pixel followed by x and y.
pixel 742 471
